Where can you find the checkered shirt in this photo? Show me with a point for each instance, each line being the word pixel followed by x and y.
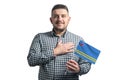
pixel 51 67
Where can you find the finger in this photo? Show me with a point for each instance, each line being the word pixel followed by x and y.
pixel 70 50
pixel 71 68
pixel 70 43
pixel 72 61
pixel 71 47
pixel 72 65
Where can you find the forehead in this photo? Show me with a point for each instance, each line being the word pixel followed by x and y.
pixel 60 11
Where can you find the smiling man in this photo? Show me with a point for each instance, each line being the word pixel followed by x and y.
pixel 53 50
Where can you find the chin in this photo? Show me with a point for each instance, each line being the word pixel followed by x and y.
pixel 60 29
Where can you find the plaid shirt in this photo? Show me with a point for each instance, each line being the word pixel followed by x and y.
pixel 54 68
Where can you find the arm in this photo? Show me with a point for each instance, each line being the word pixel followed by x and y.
pixel 84 66
pixel 36 56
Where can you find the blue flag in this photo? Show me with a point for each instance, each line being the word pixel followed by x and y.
pixel 87 52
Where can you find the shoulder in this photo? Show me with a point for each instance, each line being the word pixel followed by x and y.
pixel 73 35
pixel 43 35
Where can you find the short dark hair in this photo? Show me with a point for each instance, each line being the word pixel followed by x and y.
pixel 60 6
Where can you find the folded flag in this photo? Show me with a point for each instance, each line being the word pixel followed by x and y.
pixel 87 52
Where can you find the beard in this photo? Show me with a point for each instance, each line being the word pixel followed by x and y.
pixel 59 26
pixel 59 30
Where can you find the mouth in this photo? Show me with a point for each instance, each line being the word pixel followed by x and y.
pixel 59 22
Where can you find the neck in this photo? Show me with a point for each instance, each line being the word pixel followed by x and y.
pixel 59 32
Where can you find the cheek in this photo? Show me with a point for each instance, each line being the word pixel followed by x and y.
pixel 67 21
pixel 54 21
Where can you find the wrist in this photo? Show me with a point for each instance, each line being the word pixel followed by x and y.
pixel 55 51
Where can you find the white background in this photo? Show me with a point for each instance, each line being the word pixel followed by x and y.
pixel 97 21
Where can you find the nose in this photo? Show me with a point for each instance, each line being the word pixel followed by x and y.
pixel 60 18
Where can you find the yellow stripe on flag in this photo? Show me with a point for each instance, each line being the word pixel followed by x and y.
pixel 85 55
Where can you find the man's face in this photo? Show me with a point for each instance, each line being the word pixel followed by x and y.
pixel 60 19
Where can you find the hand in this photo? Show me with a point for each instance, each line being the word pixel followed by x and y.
pixel 73 66
pixel 63 48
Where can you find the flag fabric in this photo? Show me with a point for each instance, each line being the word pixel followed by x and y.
pixel 87 52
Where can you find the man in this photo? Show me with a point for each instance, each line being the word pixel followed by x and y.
pixel 53 50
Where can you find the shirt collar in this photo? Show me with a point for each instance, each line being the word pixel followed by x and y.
pixel 54 34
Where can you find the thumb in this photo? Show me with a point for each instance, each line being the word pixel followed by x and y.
pixel 60 42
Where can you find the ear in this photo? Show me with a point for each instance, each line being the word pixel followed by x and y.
pixel 69 18
pixel 50 19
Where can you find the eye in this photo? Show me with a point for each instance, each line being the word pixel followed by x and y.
pixel 63 16
pixel 55 16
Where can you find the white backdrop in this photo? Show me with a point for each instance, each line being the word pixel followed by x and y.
pixel 97 21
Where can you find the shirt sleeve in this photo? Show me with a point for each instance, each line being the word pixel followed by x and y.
pixel 84 67
pixel 36 56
